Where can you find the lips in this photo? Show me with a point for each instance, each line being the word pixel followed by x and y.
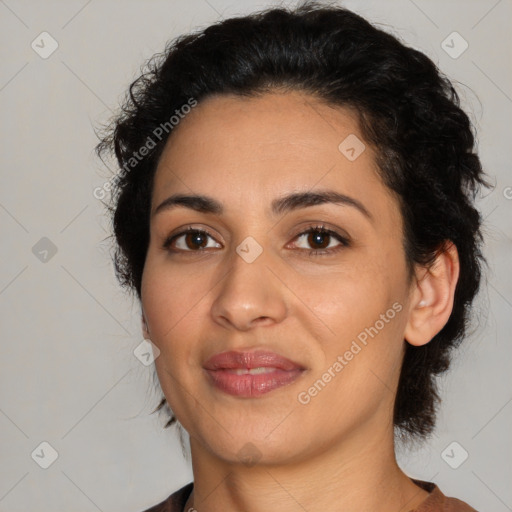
pixel 251 374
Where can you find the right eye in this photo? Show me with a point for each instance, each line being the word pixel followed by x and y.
pixel 193 240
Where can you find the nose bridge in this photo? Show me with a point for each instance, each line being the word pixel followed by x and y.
pixel 249 290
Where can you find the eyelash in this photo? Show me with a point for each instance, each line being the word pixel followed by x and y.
pixel 319 229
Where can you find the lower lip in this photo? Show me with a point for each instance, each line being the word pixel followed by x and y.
pixel 250 386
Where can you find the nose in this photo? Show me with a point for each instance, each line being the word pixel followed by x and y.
pixel 250 294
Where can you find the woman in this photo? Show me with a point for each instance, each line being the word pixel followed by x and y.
pixel 295 211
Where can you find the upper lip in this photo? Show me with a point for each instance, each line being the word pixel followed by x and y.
pixel 254 359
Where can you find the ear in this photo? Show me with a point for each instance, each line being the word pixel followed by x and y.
pixel 432 296
pixel 145 329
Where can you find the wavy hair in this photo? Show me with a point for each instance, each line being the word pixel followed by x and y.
pixel 407 109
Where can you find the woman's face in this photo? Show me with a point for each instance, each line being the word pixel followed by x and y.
pixel 251 283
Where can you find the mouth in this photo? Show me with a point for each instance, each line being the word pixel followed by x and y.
pixel 251 374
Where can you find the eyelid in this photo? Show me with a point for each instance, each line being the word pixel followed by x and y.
pixel 320 226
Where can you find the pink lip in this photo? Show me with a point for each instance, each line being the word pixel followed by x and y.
pixel 221 370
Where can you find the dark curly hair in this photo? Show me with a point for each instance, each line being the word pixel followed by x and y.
pixel 407 109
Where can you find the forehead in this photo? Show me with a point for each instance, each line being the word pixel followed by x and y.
pixel 245 151
pixel 273 125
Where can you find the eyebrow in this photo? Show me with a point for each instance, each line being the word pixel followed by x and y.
pixel 294 201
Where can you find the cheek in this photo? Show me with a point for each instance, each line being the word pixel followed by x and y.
pixel 174 302
pixel 169 298
pixel 351 297
pixel 168 304
pixel 364 304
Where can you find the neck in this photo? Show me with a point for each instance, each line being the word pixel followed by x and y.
pixel 360 473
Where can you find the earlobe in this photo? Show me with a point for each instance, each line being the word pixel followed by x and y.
pixel 433 295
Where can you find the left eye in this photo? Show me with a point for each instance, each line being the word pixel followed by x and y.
pixel 319 239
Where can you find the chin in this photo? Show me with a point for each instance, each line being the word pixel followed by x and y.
pixel 248 446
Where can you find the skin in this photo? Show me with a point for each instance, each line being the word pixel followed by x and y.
pixel 337 451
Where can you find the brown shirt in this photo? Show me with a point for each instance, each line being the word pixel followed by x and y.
pixel 435 502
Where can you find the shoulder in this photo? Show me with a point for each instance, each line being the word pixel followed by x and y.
pixel 438 502
pixel 175 502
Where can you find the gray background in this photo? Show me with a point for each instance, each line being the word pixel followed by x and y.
pixel 68 373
